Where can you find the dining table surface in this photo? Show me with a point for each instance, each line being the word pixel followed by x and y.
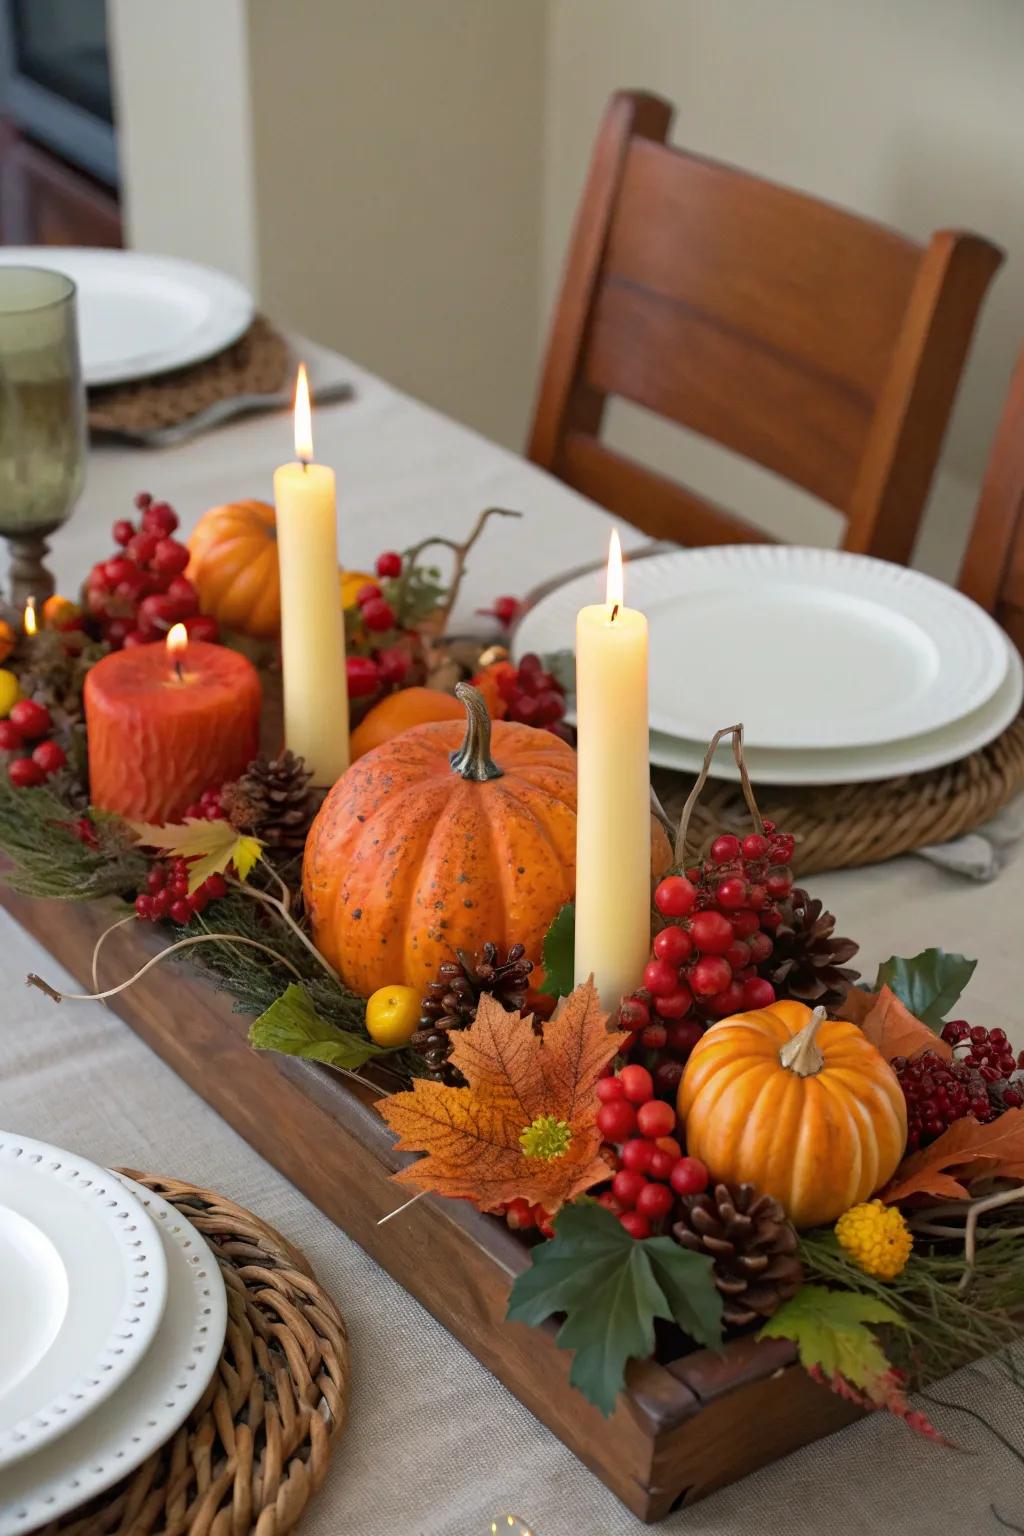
pixel 435 1445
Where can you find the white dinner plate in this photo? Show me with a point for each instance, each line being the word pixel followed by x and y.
pixel 810 648
pixel 83 1281
pixel 150 1405
pixel 138 314
pixel 850 765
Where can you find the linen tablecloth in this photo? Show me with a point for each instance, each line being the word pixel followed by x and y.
pixel 435 1445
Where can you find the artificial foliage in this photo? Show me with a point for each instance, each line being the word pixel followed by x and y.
pixel 525 1126
pixel 566 1127
pixel 610 1288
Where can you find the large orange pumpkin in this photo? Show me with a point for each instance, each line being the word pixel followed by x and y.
pixel 428 844
pixel 805 1108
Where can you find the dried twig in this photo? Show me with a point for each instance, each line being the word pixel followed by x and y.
pixel 736 732
pixel 202 938
pixel 971 1212
pixel 460 551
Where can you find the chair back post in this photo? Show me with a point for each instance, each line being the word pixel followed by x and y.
pixel 992 572
pixel 562 400
pixel 912 411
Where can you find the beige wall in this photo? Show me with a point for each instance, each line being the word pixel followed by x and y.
pixel 398 177
pixel 398 154
pixel 909 112
pixel 181 75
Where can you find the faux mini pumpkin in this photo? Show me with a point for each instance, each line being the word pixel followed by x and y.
pixel 400 712
pixel 234 568
pixel 804 1107
pixel 429 844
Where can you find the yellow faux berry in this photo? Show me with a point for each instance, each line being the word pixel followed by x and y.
pixel 876 1238
pixel 392 1014
pixel 10 692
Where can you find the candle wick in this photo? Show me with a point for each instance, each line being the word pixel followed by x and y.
pixel 177 669
pixel 305 465
pixel 615 611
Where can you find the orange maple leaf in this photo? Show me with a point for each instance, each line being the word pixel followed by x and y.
pixel 893 1029
pixel 966 1151
pixel 526 1126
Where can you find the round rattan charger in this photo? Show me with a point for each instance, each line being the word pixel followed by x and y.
pixel 842 826
pixel 256 1447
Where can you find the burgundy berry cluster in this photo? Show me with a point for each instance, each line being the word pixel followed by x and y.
pixel 387 666
pixel 650 1168
pixel 167 894
pixel 206 808
pixel 980 1082
pixel 532 696
pixel 25 734
pixel 137 595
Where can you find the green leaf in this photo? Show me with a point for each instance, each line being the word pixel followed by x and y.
pixel 560 954
pixel 611 1288
pixel 213 845
pixel 562 666
pixel 929 984
pixel 292 1026
pixel 830 1331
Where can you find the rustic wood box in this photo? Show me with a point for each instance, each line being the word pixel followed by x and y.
pixel 678 1432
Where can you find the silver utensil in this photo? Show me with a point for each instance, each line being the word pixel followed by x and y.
pixel 226 410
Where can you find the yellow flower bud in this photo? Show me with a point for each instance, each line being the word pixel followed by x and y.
pixel 876 1237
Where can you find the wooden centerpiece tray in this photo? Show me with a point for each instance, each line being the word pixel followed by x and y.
pixel 680 1429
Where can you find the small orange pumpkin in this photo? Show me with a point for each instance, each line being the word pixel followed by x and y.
pixel 233 567
pixel 400 712
pixel 805 1108
pixel 427 845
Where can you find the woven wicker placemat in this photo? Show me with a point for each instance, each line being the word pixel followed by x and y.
pixel 842 826
pixel 256 1447
pixel 257 364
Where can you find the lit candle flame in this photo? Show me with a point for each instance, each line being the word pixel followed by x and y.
pixel 177 641
pixel 303 418
pixel 31 623
pixel 613 591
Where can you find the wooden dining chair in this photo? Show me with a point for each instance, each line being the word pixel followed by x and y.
pixel 812 341
pixel 993 566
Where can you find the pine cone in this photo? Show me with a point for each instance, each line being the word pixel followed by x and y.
pixel 451 1001
pixel 272 800
pixel 807 961
pixel 753 1245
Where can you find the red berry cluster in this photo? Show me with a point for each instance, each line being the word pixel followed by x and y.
pixel 980 1082
pixel 521 1216
pixel 167 893
pixel 387 666
pixel 206 808
pixel 532 696
pixel 719 918
pixel 652 1170
pixel 505 609
pixel 137 595
pixel 29 766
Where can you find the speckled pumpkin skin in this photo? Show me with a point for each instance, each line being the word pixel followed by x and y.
pixel 407 861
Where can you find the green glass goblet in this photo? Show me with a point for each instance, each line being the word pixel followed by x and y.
pixel 42 420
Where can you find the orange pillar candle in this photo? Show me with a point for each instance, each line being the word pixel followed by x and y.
pixel 166 722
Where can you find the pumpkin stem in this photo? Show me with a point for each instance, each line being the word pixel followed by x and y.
pixel 803 1055
pixel 473 760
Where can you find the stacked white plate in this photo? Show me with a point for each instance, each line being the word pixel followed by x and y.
pixel 112 1319
pixel 842 668
pixel 140 315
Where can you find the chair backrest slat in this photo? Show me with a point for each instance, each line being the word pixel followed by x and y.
pixel 788 330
